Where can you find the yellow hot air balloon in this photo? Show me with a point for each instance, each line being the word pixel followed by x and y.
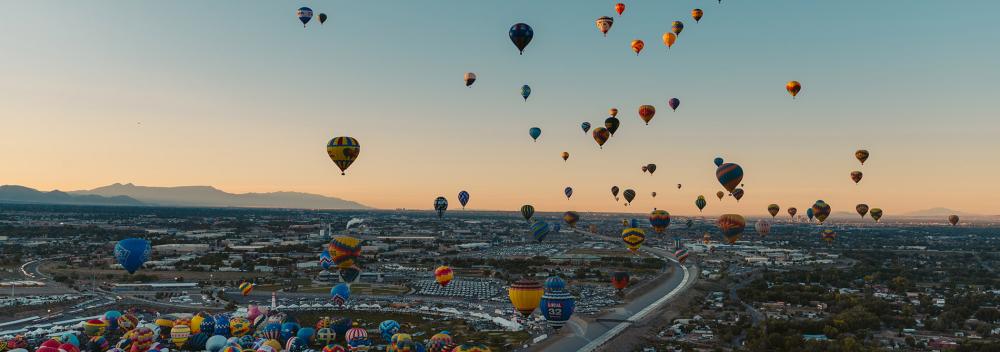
pixel 669 39
pixel 793 88
pixel 697 14
pixel 525 295
pixel 343 151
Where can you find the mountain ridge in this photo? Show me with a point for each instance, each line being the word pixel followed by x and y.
pixel 22 194
pixel 209 196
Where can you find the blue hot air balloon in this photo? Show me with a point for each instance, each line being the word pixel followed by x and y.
pixel 463 198
pixel 340 293
pixel 585 126
pixel 539 230
pixel 440 205
pixel 718 161
pixel 535 132
pixel 388 328
pixel 525 92
pixel 557 307
pixel 809 213
pixel 568 191
pixel 132 253
pixel 520 35
pixel 554 283
pixel 304 14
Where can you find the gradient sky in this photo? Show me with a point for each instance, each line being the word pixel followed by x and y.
pixel 236 94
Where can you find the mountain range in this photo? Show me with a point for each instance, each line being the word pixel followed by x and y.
pixel 181 196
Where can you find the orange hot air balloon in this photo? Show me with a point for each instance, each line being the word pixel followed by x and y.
pixel 637 46
pixel 646 112
pixel 697 14
pixel 443 275
pixel 669 39
pixel 619 8
pixel 613 112
pixel 793 88
pixel 619 280
pixel 856 176
pixel 565 155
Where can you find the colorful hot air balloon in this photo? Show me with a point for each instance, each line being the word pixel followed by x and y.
pixel 619 8
pixel 340 293
pixel 828 235
pixel 629 196
pixel 669 39
pixel 862 209
pixel 614 192
pixel 534 132
pixel 470 78
pixel 861 155
pixel 953 219
pixel 793 88
pixel 438 342
pixel 821 210
pixel 521 34
pixel 612 123
pixel 720 194
pixel 440 205
pixel 568 192
pixel 731 226
pixel 700 203
pixel 601 136
pixel 763 227
pixel 738 194
pixel 463 198
pixel 651 168
pixel 637 46
pixel 659 220
pixel 357 338
pixel 246 287
pixel 876 214
pixel 633 238
pixel 697 14
pixel 92 327
pixel 322 18
pixel 525 295
pixel 343 151
pixel 571 217
pixel 525 92
pixel 646 113
pixel 613 112
pixel 730 175
pixel 344 250
pixel 388 328
pixel 585 126
pixel 304 14
pixel 471 347
pixel 443 275
pixel 856 176
pixel 325 260
pixel 565 156
pixel 681 254
pixel 677 27
pixel 540 229
pixel 179 335
pixel 527 211
pixel 792 211
pixel 604 24
pixel 674 103
pixel 557 307
pixel 131 253
pixel 620 280
pixel 773 209
pixel 809 213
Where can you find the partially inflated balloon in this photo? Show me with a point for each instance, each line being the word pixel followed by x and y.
pixel 659 220
pixel 440 205
pixel 821 210
pixel 730 175
pixel 568 192
pixel 953 219
pixel 697 14
pixel 876 213
pixel 131 253
pixel 793 88
pixel 527 211
pixel 856 176
pixel 629 195
pixel 731 226
pixel 601 136
pixel 565 156
pixel 700 203
pixel 637 46
pixel 585 126
pixel 525 295
pixel 534 132
pixel 677 27
pixel 304 14
pixel 525 92
pixel 463 198
pixel 773 209
pixel 521 34
pixel 470 78
pixel 674 103
pixel 861 155
pixel 443 275
pixel 612 124
pixel 604 24
pixel 792 211
pixel 343 151
pixel 862 209
pixel 646 113
pixel 571 217
pixel 619 7
pixel 633 238
pixel 669 39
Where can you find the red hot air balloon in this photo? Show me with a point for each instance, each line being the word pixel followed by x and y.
pixel 619 8
pixel 646 113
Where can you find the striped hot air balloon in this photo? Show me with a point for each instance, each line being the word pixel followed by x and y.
pixel 246 287
pixel 343 151
pixel 344 249
pixel 659 220
pixel 731 226
pixel 681 254
pixel 763 227
pixel 539 230
pixel 633 238
pixel 527 211
pixel 443 275
pixel 525 295
pixel 730 175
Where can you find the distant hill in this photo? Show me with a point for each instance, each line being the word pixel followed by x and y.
pixel 207 196
pixel 21 194
pixel 938 212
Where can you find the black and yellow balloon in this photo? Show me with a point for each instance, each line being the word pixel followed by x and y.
pixel 343 151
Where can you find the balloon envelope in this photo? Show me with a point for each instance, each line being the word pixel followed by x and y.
pixel 131 253
pixel 521 34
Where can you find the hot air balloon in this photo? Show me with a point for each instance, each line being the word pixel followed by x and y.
pixel 520 35
pixel 809 213
pixel 629 196
pixel 94 327
pixel 821 210
pixel 565 156
pixel 304 14
pixel 763 227
pixel 179 335
pixel 792 211
pixel 568 192
pixel 669 39
pixel 718 161
pixel 646 113
pixel 876 213
pixel 470 78
pixel 773 209
pixel 325 260
pixel 660 220
pixel 343 151
pixel 345 250
pixel 357 338
pixel 700 203
pixel 438 342
pixel 856 176
pixel 861 155
pixel 706 238
pixel 539 230
pixel 131 253
pixel 681 254
pixel 535 132
pixel 525 92
pixel 862 209
pixel 612 123
pixel 443 275
pixel 644 169
pixel 953 219
pixel 614 192
pixel 678 186
pixel 525 295
pixel 571 217
pixel 322 18
pixel 793 88
pixel 730 175
pixel 440 205
pixel 585 126
pixel 738 194
pixel 349 274
pixel 557 307
pixel 388 328
pixel 527 211
pixel 246 287
pixel 463 198
pixel 340 293
pixel 619 7
pixel 677 27
pixel 471 347
pixel 613 112
pixel 731 226
pixel 674 103
pixel 620 280
pixel 637 46
pixel 697 14
pixel 651 168
pixel 604 24
pixel 633 238
pixel 653 194
pixel 720 194
pixel 601 136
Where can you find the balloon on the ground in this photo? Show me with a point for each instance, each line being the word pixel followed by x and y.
pixel 388 328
